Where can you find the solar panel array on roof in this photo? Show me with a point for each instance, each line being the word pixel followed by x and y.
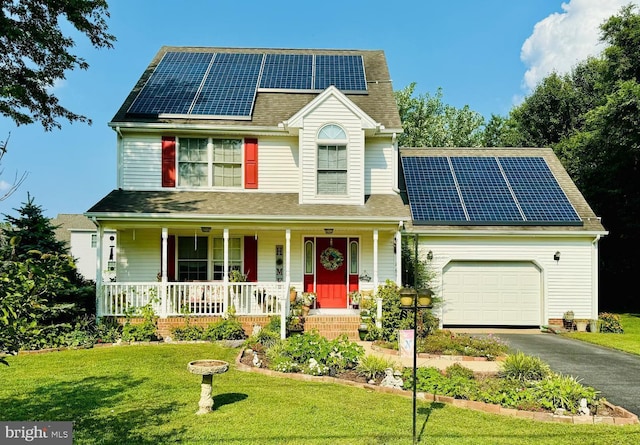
pixel 225 84
pixel 174 84
pixel 485 190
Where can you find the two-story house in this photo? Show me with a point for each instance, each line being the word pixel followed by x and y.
pixel 283 165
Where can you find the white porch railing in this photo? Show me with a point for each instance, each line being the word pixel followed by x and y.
pixel 200 298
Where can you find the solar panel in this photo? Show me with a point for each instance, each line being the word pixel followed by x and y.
pixel 173 85
pixel 484 191
pixel 537 191
pixel 230 87
pixel 433 195
pixel 287 71
pixel 344 72
pixel 225 84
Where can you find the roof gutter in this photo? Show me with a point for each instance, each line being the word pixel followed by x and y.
pixel 147 217
pixel 159 126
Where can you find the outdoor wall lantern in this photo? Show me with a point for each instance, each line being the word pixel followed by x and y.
pixel 430 255
pixel 556 256
pixel 328 231
pixel 205 229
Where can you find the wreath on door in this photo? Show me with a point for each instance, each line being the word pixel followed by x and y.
pixel 331 258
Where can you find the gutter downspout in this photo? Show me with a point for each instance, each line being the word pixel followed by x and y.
pixel 396 162
pixel 595 279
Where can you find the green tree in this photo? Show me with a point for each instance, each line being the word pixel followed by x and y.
pixel 428 122
pixel 31 231
pixel 35 53
pixel 591 118
pixel 40 288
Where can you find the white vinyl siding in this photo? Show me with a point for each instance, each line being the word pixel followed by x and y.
pixel 566 285
pixel 332 111
pixel 278 165
pixel 378 167
pixel 141 163
pixel 138 255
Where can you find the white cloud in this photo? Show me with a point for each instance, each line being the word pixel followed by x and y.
pixel 4 185
pixel 562 40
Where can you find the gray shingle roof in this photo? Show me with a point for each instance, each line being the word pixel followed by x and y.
pixel 591 222
pixel 272 108
pixel 65 222
pixel 225 205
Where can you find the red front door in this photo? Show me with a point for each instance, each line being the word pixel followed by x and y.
pixel 331 278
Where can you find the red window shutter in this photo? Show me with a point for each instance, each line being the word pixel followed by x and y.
pixel 171 255
pixel 251 163
pixel 251 258
pixel 168 161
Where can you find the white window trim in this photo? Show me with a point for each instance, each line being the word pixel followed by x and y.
pixel 210 185
pixel 335 142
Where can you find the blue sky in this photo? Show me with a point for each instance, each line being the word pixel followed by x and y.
pixel 486 54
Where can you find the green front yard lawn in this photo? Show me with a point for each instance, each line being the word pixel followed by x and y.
pixel 145 395
pixel 629 341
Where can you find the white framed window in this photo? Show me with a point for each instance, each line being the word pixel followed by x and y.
pixel 332 161
pixel 235 256
pixel 209 162
pixel 94 240
pixel 192 258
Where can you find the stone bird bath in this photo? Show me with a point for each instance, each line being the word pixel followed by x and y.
pixel 207 368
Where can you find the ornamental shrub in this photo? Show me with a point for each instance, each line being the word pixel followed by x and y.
pixel 229 329
pixel 610 323
pixel 524 368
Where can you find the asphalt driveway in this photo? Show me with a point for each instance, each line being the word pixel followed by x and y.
pixel 615 374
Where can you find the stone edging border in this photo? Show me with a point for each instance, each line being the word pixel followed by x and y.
pixel 627 418
pixel 453 358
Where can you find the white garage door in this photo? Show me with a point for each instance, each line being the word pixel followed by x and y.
pixel 491 293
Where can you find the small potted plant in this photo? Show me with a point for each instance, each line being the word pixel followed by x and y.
pixel 292 294
pixel 294 325
pixel 581 324
pixel 567 319
pixel 355 297
pixel 307 299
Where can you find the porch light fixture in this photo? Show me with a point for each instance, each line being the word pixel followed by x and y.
pixel 430 255
pixel 556 256
pixel 205 229
pixel 328 231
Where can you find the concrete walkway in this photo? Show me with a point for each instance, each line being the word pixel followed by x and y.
pixel 615 374
pixel 442 362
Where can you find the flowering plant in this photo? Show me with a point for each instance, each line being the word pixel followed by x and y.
pixel 307 298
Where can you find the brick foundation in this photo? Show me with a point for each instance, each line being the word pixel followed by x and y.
pixel 329 326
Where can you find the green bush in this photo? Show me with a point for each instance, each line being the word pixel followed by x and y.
pixel 445 342
pixel 373 367
pixel 187 333
pixel 108 330
pixel 558 391
pixel 457 370
pixel 524 368
pixel 147 330
pixel 610 323
pixel 228 329
pixel 333 355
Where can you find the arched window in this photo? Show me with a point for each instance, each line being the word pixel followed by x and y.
pixel 332 160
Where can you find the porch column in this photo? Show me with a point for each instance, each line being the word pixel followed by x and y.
pixel 288 257
pixel 163 279
pixel 99 266
pixel 398 244
pixel 165 237
pixel 375 260
pixel 225 265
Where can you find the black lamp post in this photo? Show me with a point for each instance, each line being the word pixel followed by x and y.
pixel 412 300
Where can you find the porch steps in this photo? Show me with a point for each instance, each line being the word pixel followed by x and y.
pixel 331 326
